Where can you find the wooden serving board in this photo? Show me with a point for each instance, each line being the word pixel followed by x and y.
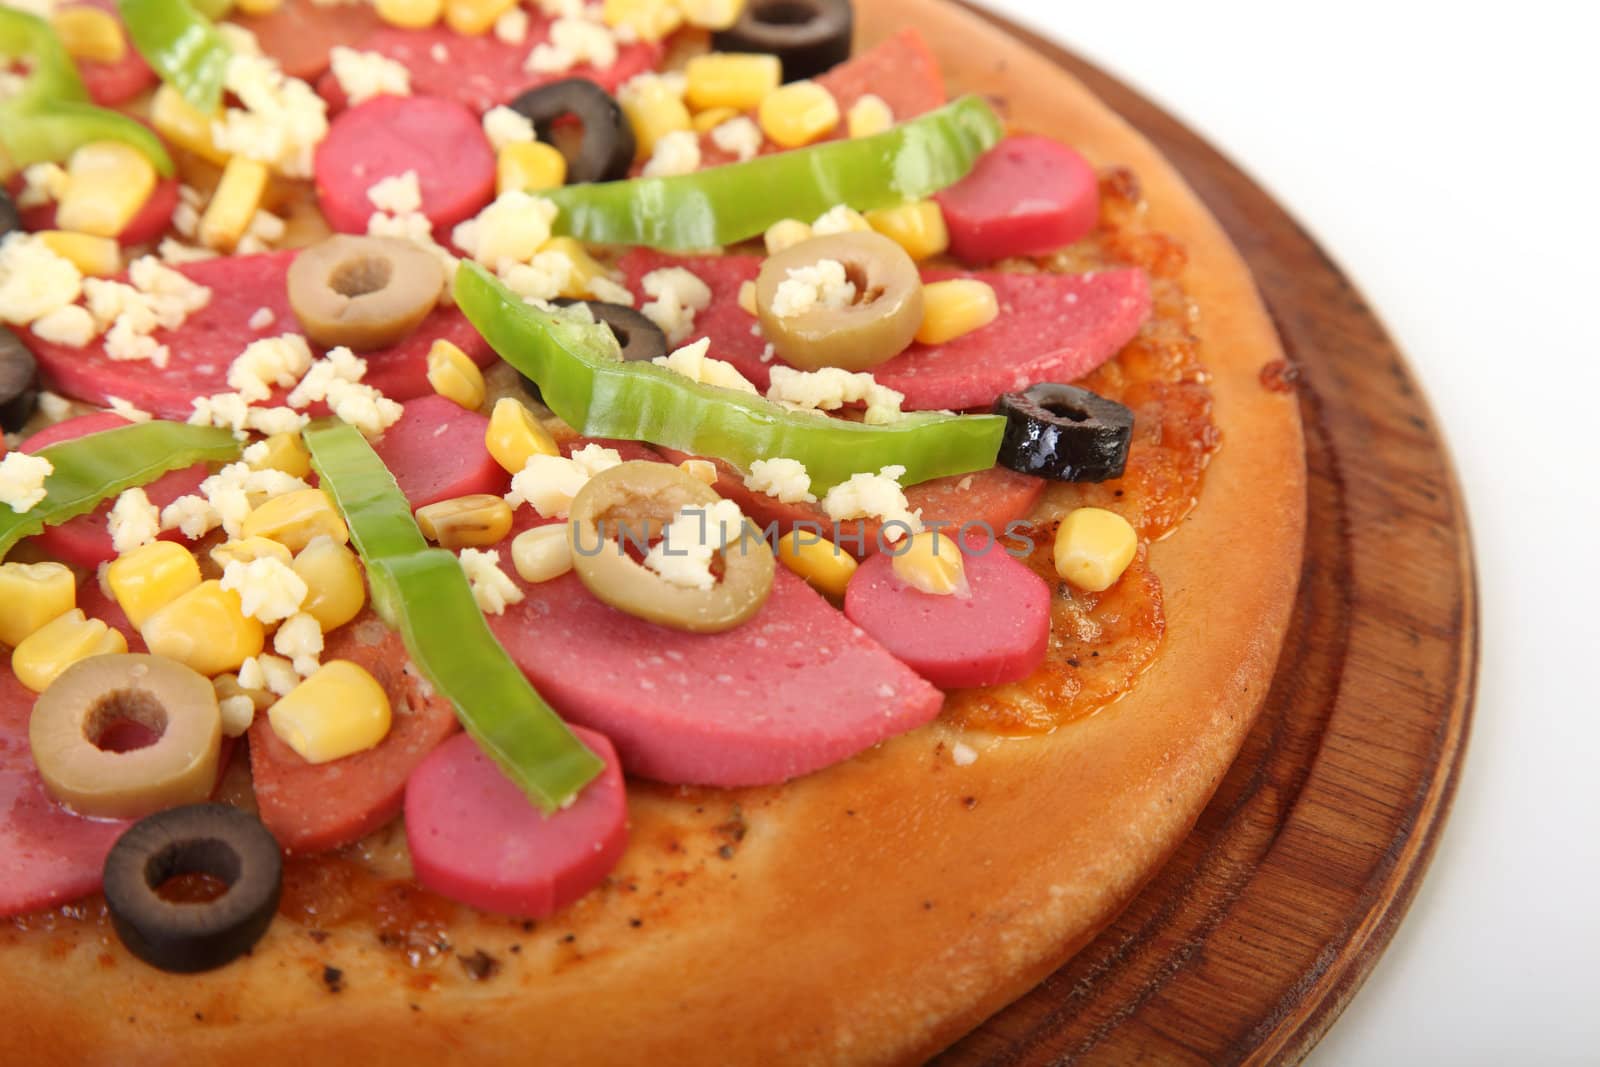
pixel 1249 943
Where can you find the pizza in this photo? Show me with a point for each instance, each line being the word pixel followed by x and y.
pixel 663 531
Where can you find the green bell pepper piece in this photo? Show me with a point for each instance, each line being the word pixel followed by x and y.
pixel 182 46
pixel 725 205
pixel 423 593
pixel 52 114
pixel 99 466
pixel 580 373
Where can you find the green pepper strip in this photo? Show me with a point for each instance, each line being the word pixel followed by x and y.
pixel 98 466
pixel 584 381
pixel 725 205
pixel 52 114
pixel 182 46
pixel 423 593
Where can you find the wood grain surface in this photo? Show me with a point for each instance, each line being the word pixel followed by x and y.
pixel 1249 943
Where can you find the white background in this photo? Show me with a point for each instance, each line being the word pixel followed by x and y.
pixel 1445 154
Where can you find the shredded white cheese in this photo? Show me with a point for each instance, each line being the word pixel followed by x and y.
pixel 269 589
pixel 874 496
pixel 831 388
pixel 492 588
pixel 692 362
pixel 823 285
pixel 22 478
pixel 398 194
pixel 678 296
pixel 785 479
pixel 133 521
pixel 683 555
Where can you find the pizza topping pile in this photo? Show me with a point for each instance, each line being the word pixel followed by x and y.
pixel 448 387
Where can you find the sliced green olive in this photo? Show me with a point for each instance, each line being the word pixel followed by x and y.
pixel 165 697
pixel 364 293
pixel 632 504
pixel 878 323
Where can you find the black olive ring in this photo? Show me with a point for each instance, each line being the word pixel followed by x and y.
pixel 640 338
pixel 9 219
pixel 1064 433
pixel 19 382
pixel 808 36
pixel 608 146
pixel 213 839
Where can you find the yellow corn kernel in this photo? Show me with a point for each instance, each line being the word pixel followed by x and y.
pixel 285 452
pixel 474 17
pixel 179 122
pixel 258 7
pixel 1093 547
pixel 585 268
pixel 475 521
pixel 409 14
pixel 150 577
pixel 824 565
pixel 542 553
pixel 454 376
pixel 954 308
pixel 91 34
pixel 712 14
pixel 700 469
pixel 205 629
pixel 785 234
pixel 529 166
pixel 95 257
pixel 338 589
pixel 337 712
pixel 650 19
pixel 515 436
pixel 797 114
pixel 931 562
pixel 918 228
pixel 31 594
pixel 58 644
pixel 868 117
pixel 732 79
pixel 234 204
pixel 706 121
pixel 747 298
pixel 653 111
pixel 107 183
pixel 248 550
pixel 293 519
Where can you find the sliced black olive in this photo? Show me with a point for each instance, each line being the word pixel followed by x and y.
pixel 214 840
pixel 606 151
pixel 1064 433
pixel 9 219
pixel 809 36
pixel 639 337
pixel 19 382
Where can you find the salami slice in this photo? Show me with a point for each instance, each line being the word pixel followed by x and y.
pixel 204 347
pixel 110 84
pixel 147 226
pixel 483 71
pixel 316 807
pixel 476 838
pixel 795 689
pixel 300 34
pixel 48 855
pixel 1026 197
pixel 996 633
pixel 86 540
pixel 1051 328
pixel 436 452
pixel 438 139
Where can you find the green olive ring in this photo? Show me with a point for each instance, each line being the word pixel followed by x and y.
pixel 879 325
pixel 364 293
pixel 636 501
pixel 164 696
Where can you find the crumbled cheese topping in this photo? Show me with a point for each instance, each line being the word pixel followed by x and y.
pixel 683 555
pixel 512 26
pixel 336 380
pixel 492 588
pixel 268 588
pixel 416 228
pixel 193 516
pixel 830 388
pixel 264 231
pixel 543 278
pixel 22 481
pixel 133 521
pixel 840 219
pixel 364 75
pixel 548 483
pixel 869 114
pixel 282 120
pixel 692 362
pixel 398 194
pixel 34 281
pixel 675 153
pixel 592 459
pixel 119 406
pixel 299 639
pixel 41 184
pixel 510 230
pixel 226 499
pixel 175 253
pixel 262 318
pixel 739 136
pixel 610 292
pixel 503 125
pixel 963 754
pixel 272 673
pixel 879 496
pixel 678 296
pixel 71 326
pixel 268 363
pixel 238 713
pixel 574 42
pixel 785 479
pixel 822 285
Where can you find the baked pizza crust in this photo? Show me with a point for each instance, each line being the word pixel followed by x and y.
pixel 870 913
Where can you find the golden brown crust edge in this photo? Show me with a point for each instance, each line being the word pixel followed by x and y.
pixel 871 913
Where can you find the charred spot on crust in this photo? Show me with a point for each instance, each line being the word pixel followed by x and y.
pixel 480 966
pixel 333 978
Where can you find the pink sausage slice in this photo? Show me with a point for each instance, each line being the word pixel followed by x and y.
pixel 477 839
pixel 1027 196
pixel 86 541
pixel 996 634
pixel 439 139
pixel 795 689
pixel 147 226
pixel 436 451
